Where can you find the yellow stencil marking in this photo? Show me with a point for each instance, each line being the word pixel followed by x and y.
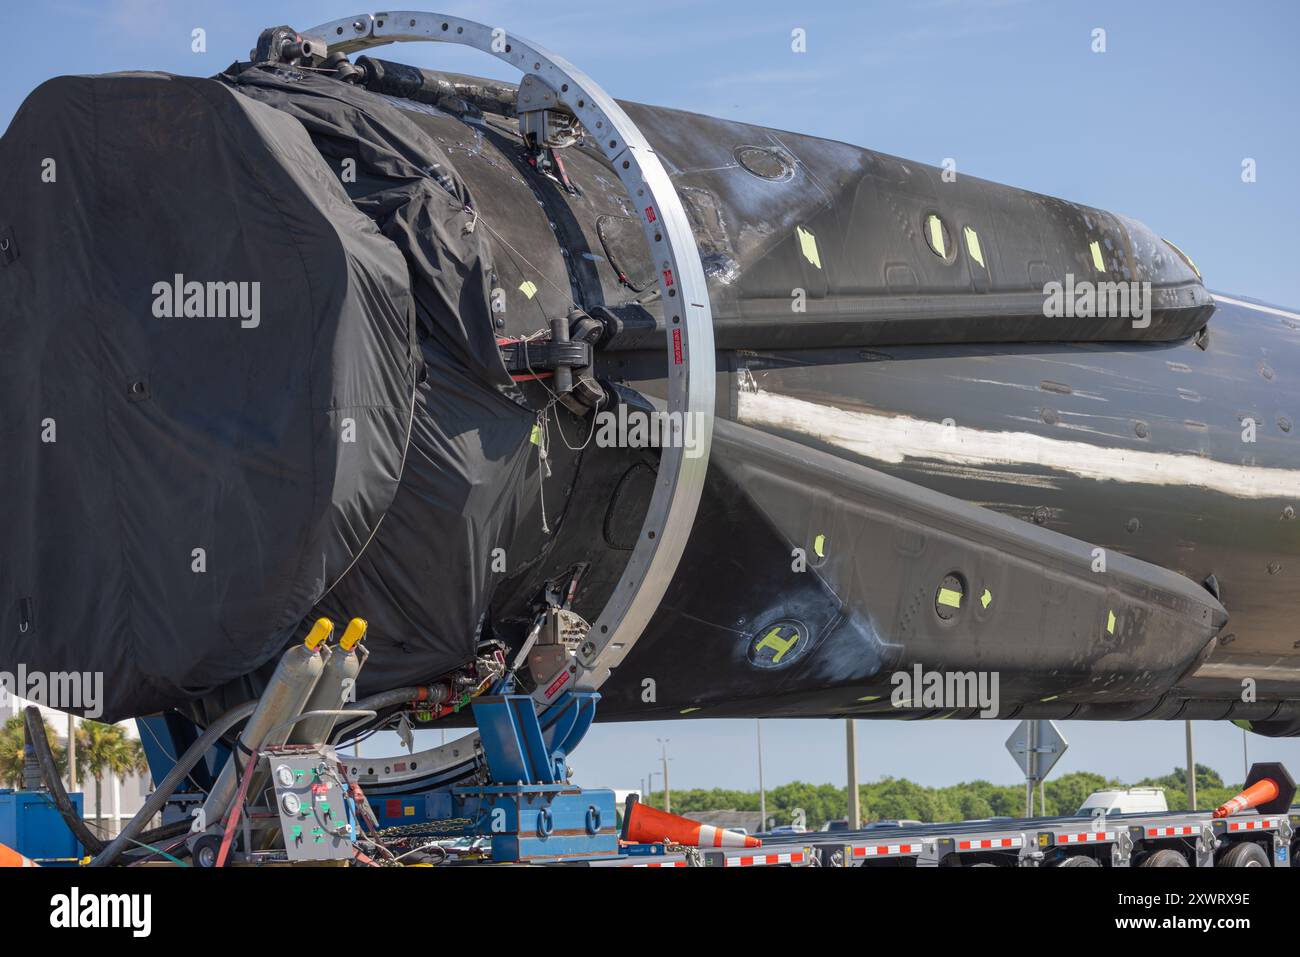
pixel 774 640
pixel 949 597
pixel 1110 622
pixel 819 546
pixel 987 598
pixel 528 288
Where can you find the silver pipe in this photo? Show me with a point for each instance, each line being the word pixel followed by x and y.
pixel 286 693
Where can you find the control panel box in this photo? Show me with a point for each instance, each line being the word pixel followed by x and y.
pixel 310 797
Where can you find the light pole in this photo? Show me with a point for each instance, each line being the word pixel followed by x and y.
pixel 762 793
pixel 72 753
pixel 855 799
pixel 668 798
pixel 1191 771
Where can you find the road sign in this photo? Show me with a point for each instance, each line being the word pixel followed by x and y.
pixel 1036 746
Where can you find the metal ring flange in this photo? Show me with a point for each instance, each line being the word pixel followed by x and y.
pixel 687 318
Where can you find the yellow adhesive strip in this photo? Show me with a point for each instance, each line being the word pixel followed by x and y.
pixel 949 597
pixel 808 246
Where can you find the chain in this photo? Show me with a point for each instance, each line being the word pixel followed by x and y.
pixel 452 825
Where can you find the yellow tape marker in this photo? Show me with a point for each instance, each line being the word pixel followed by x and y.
pixel 528 288
pixel 687 710
pixel 986 599
pixel 935 225
pixel 1110 622
pixel 949 597
pixel 1096 256
pixel 819 546
pixel 973 245
pixel 870 697
pixel 536 437
pixel 808 246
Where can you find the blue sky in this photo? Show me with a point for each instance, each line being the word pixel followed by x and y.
pixel 1156 128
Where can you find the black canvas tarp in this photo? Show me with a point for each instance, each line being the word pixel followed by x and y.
pixel 424 582
pixel 275 443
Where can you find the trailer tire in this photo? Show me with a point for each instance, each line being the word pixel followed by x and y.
pixel 1079 860
pixel 1245 854
pixel 1165 858
pixel 206 850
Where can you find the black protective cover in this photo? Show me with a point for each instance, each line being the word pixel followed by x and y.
pixel 177 434
pixel 425 582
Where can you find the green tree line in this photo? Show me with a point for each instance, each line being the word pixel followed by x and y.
pixel 899 798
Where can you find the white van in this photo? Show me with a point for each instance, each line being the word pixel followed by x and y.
pixel 1125 801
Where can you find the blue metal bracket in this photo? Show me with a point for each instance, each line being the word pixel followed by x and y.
pixel 523 747
pixel 526 809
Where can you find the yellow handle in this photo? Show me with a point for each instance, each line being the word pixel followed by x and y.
pixel 319 632
pixel 355 632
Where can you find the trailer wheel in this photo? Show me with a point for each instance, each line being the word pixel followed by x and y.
pixel 1079 860
pixel 1245 854
pixel 206 850
pixel 1165 858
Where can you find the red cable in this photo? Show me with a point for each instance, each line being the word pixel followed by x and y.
pixel 232 816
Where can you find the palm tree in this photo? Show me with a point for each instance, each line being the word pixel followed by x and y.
pixel 13 738
pixel 104 748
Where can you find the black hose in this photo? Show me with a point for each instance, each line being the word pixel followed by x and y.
pixel 40 744
pixel 174 777
pixel 385 699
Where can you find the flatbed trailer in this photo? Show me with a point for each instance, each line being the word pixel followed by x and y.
pixel 1116 840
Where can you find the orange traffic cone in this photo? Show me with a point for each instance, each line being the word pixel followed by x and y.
pixel 11 858
pixel 1268 787
pixel 643 824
